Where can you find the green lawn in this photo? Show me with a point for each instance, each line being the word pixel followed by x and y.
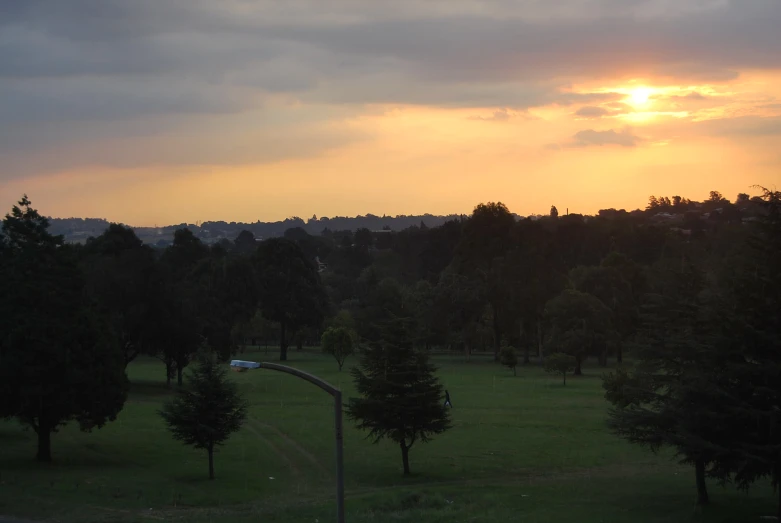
pixel 521 449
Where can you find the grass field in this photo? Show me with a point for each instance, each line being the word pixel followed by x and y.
pixel 522 449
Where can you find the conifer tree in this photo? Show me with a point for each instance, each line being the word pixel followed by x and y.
pixel 208 409
pixel 752 328
pixel 59 359
pixel 673 397
pixel 401 396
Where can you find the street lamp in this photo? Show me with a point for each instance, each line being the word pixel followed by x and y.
pixel 243 366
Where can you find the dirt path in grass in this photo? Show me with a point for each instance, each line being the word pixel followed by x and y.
pixel 252 427
pixel 293 443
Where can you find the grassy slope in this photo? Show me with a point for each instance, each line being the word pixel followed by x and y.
pixel 522 449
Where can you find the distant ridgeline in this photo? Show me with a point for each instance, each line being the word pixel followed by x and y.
pixel 77 230
pixel 676 213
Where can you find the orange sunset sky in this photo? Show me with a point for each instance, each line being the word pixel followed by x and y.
pixel 167 111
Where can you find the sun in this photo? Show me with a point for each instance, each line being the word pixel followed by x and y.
pixel 640 95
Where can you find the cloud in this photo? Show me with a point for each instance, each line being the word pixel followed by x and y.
pixel 624 138
pixel 88 71
pixel 592 112
pixel 499 116
pixel 694 95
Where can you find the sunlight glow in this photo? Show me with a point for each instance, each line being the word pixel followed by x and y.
pixel 640 95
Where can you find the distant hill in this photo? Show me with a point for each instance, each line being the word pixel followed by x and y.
pixel 676 212
pixel 79 229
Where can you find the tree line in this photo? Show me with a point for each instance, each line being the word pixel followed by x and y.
pixel 684 291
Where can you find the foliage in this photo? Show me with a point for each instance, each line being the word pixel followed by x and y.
pixel 560 363
pixel 675 394
pixel 508 357
pixel 401 395
pixel 123 278
pixel 338 342
pixel 59 358
pixel 208 410
pixel 292 294
pixel 580 325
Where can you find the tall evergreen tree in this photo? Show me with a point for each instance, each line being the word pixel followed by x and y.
pixel 752 297
pixel 401 396
pixel 208 409
pixel 59 359
pixel 672 397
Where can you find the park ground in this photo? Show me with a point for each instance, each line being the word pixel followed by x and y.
pixel 522 449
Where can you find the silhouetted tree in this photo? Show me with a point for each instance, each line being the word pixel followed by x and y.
pixel 208 409
pixel 290 288
pixel 59 359
pixel 401 397
pixel 122 276
pixel 580 325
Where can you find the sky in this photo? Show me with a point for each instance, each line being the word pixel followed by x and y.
pixel 153 112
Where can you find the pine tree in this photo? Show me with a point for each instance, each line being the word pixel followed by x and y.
pixel 59 359
pixel 208 409
pixel 401 396
pixel 752 326
pixel 673 397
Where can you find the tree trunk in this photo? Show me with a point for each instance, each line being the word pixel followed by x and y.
pixel 497 335
pixel 169 372
pixel 44 443
pixel 210 450
pixel 578 364
pixel 702 489
pixel 777 481
pixel 467 350
pixel 405 457
pixel 179 373
pixel 526 359
pixel 282 342
pixel 603 359
pixel 539 341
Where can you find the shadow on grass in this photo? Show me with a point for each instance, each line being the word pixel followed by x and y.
pixel 11 432
pixel 149 389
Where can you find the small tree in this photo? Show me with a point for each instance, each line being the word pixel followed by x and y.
pixel 508 357
pixel 208 410
pixel 338 342
pixel 560 363
pixel 402 397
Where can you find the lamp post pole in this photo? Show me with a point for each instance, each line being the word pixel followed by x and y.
pixel 337 395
